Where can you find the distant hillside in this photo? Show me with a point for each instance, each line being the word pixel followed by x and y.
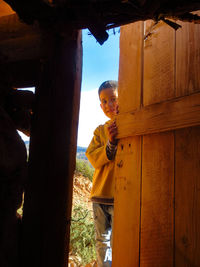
pixel 80 154
pixel 27 145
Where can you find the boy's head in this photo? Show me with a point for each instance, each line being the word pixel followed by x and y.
pixel 108 96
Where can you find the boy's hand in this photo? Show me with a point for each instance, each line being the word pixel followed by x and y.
pixel 112 132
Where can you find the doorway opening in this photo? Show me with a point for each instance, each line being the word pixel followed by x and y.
pixel 100 63
pixel 25 135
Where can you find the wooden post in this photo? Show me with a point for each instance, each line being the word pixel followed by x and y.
pixel 48 197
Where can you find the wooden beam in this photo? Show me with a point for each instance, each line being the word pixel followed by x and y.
pixel 48 197
pixel 19 41
pixel 5 9
pixel 23 73
pixel 173 114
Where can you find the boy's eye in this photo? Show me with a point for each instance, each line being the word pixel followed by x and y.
pixel 113 99
pixel 103 101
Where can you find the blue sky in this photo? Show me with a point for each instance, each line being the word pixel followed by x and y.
pixel 100 63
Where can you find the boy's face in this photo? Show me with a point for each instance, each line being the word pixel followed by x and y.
pixel 109 102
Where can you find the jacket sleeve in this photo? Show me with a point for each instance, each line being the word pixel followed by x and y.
pixel 96 152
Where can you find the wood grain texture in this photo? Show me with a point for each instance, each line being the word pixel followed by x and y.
pixel 159 62
pixel 127 203
pixel 187 58
pixel 168 236
pixel 157 214
pixel 130 64
pixel 48 198
pixel 187 198
pixel 173 114
pixel 128 158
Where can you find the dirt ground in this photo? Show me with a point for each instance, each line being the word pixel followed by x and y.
pixel 81 192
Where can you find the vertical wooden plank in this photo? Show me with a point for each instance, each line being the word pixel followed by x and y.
pixel 128 159
pixel 187 198
pixel 159 62
pixel 130 66
pixel 48 197
pixel 157 211
pixel 187 58
pixel 127 203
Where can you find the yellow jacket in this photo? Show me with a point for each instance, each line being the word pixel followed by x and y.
pixel 103 179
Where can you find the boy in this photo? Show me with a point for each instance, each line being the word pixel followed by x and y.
pixel 101 153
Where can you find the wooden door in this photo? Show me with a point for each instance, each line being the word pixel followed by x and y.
pixel 157 201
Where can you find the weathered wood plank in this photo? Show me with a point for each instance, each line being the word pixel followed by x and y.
pixel 173 114
pixel 187 197
pixel 131 41
pixel 159 63
pixel 128 159
pixel 127 203
pixel 187 58
pixel 48 197
pixel 157 216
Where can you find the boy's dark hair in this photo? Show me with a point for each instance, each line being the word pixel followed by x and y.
pixel 108 84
